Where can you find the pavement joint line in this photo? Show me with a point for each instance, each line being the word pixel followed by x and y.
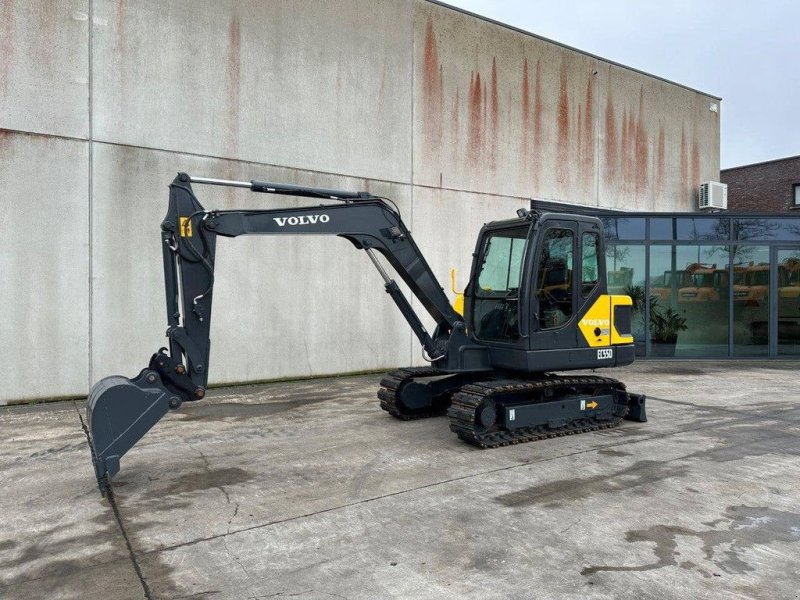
pixel 118 516
pixel 434 484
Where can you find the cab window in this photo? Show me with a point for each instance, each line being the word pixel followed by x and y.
pixel 590 245
pixel 554 283
pixel 497 291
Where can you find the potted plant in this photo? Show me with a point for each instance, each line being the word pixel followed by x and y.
pixel 665 324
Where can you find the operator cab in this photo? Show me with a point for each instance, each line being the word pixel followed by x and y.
pixel 532 284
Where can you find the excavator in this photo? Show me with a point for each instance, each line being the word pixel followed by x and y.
pixel 535 304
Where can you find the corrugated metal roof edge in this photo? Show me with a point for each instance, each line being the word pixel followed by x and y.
pixel 548 40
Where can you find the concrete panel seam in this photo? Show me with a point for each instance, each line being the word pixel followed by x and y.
pixel 247 162
pixel 411 134
pixel 90 223
pixel 42 134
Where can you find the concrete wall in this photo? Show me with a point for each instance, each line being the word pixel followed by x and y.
pixel 457 119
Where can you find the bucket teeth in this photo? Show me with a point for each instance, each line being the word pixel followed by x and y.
pixel 119 412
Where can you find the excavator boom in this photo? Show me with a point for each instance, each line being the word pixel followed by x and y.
pixel 121 410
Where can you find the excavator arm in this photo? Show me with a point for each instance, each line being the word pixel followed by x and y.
pixel 120 411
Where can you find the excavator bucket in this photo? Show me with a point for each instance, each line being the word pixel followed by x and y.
pixel 119 412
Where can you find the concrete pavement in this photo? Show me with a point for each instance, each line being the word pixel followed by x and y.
pixel 306 489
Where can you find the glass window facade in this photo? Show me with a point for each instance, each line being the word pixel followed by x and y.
pixel 708 286
pixel 625 265
pixel 624 228
pixel 689 286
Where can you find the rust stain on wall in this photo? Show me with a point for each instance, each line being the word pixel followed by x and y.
pixel 579 121
pixel 684 159
pixel 7 28
pixel 494 115
pixel 119 40
pixel 48 22
pixel 475 108
pixel 455 126
pixel 642 149
pixel 563 125
pixel 623 147
pixel 430 61
pixel 485 109
pixel 526 117
pixel 234 64
pixel 587 132
pixel 537 124
pixel 695 165
pixel 432 90
pixel 611 141
pixel 630 151
pixel 526 97
pixel 660 158
pixel 120 24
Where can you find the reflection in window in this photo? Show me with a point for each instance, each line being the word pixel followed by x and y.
pixel 590 244
pixel 689 290
pixel 624 228
pixel 702 228
pixel 789 302
pixel 495 314
pixel 754 229
pixel 662 228
pixel 502 262
pixel 625 275
pixel 554 287
pixel 751 275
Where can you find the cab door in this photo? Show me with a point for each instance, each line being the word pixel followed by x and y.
pixel 497 286
pixel 568 278
pixel 553 298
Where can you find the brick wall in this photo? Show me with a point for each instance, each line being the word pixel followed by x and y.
pixel 763 187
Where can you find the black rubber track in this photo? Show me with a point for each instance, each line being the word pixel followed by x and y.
pixel 468 399
pixel 394 381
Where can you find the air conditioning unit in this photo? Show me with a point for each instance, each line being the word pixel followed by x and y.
pixel 713 196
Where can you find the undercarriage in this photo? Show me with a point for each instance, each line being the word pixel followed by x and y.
pixel 500 410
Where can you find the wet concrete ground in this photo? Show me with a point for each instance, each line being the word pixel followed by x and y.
pixel 308 490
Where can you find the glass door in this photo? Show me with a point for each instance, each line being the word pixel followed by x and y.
pixel 752 283
pixel 786 328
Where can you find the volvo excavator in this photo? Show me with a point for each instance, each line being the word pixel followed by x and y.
pixel 536 303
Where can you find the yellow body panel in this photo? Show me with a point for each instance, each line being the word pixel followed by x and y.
pixel 458 303
pixel 616 336
pixel 597 323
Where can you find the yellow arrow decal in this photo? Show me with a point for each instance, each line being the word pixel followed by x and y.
pixel 591 404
